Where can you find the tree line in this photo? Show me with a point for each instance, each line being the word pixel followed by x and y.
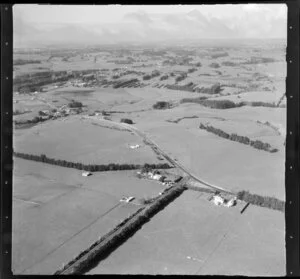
pixel 91 167
pixel 269 202
pixel 241 139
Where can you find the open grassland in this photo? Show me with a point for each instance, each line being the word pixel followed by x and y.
pixel 193 236
pixel 58 213
pixel 78 140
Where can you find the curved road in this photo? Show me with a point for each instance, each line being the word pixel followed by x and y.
pixel 163 153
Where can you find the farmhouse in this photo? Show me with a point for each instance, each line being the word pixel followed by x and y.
pixel 218 200
pixel 86 173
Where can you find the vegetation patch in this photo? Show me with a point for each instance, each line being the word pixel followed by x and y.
pixel 263 201
pixel 241 139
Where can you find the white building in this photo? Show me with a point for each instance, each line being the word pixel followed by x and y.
pixel 87 173
pixel 217 200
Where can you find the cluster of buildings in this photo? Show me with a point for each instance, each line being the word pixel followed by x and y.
pixel 60 112
pixel 218 200
pixel 156 175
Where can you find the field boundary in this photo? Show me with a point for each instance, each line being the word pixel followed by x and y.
pixel 92 168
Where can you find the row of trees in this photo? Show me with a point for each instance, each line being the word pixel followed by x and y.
pixel 241 139
pixel 121 233
pixel 34 120
pixel 214 89
pixel 154 74
pixel 219 104
pixel 187 87
pixel 269 202
pixel 19 62
pixel 93 168
pixel 197 100
pixel 125 83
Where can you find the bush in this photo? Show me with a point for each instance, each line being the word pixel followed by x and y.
pixel 126 120
pixel 162 105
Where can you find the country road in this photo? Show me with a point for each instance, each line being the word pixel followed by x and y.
pixel 163 153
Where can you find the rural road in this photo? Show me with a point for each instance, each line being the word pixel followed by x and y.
pixel 163 153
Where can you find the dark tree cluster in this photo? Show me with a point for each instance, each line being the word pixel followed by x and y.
pixel 214 65
pixel 162 105
pixel 75 104
pixel 221 54
pixel 164 77
pixel 126 120
pixel 269 202
pixel 93 168
pixel 229 63
pixel 191 70
pixel 181 77
pixel 241 139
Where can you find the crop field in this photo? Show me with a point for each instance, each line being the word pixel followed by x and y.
pixel 58 213
pixel 192 236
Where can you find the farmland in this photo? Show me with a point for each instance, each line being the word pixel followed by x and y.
pixel 137 105
pixel 214 250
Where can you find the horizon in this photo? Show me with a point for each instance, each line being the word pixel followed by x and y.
pixel 42 25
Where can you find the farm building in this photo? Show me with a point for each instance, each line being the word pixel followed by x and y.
pixel 86 173
pixel 217 200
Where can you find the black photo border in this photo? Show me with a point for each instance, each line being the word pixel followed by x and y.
pixel 292 213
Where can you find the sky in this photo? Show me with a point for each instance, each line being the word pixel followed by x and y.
pixel 113 23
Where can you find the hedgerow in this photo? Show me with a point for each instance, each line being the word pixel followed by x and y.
pixel 263 201
pixel 93 168
pixel 241 139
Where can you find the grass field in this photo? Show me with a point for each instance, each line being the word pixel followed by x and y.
pixel 193 236
pixel 58 213
pixel 79 140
